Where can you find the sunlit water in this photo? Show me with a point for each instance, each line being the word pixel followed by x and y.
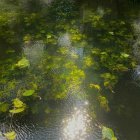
pixel 34 51
pixel 73 123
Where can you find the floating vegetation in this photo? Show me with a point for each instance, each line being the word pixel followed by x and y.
pixel 18 106
pixel 28 93
pixel 23 63
pixel 108 134
pixel 10 135
pixel 61 52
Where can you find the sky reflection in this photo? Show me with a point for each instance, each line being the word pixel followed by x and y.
pixel 76 126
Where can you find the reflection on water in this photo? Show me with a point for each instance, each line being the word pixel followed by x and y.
pixel 70 122
pixel 77 125
pixel 64 40
pixel 34 51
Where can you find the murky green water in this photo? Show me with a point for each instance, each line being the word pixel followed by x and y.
pixel 61 69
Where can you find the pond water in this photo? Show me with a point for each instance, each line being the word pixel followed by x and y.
pixel 60 71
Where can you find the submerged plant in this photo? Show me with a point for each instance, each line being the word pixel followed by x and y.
pixel 96 86
pixel 103 103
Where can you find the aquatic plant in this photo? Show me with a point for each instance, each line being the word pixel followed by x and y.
pixel 23 63
pixel 18 106
pixel 10 135
pixel 108 134
pixel 97 42
pixel 28 93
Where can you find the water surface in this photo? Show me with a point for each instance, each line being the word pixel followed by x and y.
pixel 60 70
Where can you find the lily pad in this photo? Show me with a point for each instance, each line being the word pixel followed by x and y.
pixel 18 107
pixel 10 135
pixel 17 103
pixel 28 93
pixel 23 63
pixel 108 134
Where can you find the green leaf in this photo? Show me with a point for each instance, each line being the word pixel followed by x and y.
pixel 114 138
pixel 107 133
pixel 111 33
pixel 18 107
pixel 4 107
pixel 124 55
pixel 120 67
pixel 96 86
pixel 17 110
pixel 23 63
pixel 10 135
pixel 28 93
pixel 17 103
pixel 49 36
